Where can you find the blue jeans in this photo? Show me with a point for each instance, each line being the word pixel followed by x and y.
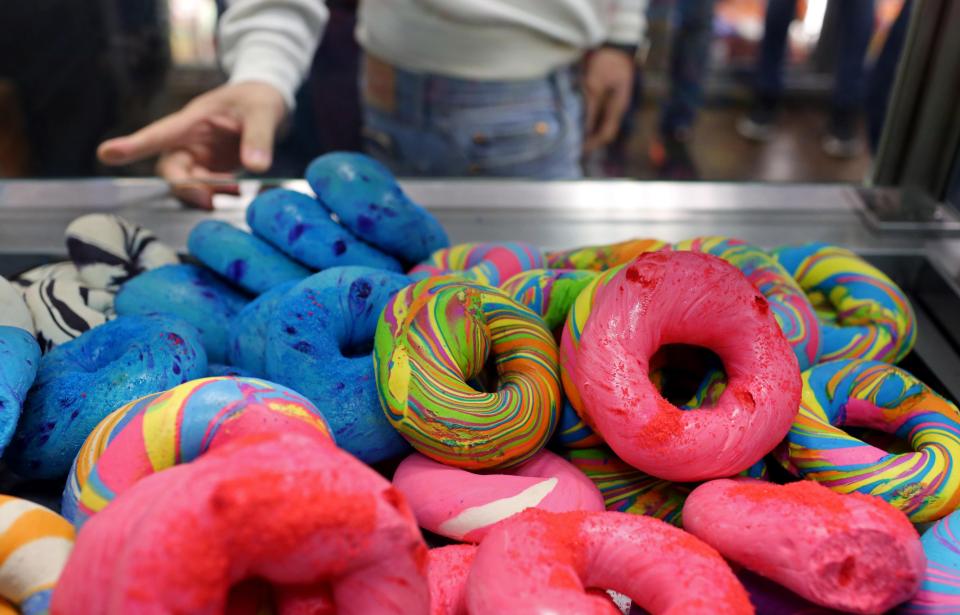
pixel 855 26
pixel 689 60
pixel 429 125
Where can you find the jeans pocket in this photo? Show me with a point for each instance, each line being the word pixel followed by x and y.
pixel 497 137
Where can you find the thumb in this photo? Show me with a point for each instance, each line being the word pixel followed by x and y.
pixel 256 144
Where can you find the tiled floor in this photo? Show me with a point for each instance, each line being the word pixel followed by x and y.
pixel 793 155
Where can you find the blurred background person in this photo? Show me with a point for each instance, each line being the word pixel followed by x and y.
pixel 855 22
pixel 448 88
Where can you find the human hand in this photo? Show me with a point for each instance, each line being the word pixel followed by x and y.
pixel 208 139
pixel 607 83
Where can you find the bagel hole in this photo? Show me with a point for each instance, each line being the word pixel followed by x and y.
pixel 487 379
pixel 253 595
pixel 359 350
pixel 888 442
pixel 688 376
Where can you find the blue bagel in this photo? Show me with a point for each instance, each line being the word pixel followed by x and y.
pixel 328 313
pixel 369 202
pixel 247 346
pixel 248 261
pixel 86 379
pixel 299 226
pixel 189 292
pixel 219 370
pixel 19 360
pixel 940 591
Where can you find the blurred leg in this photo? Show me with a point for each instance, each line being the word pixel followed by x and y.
pixel 780 13
pixel 689 61
pixel 881 79
pixel 855 25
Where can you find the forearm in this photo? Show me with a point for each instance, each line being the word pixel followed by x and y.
pixel 627 22
pixel 271 41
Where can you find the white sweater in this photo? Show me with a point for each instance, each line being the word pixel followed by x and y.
pixel 274 40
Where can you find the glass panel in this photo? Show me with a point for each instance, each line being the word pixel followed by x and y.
pixel 729 90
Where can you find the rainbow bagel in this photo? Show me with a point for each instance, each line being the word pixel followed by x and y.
pixel 83 380
pixel 367 200
pixel 19 360
pixel 485 263
pixel 292 514
pixel 463 506
pixel 940 590
pixel 548 292
pixel 167 429
pixel 627 489
pixel 319 341
pixel 246 260
pixel 793 311
pixel 856 393
pixel 656 301
pixel 299 226
pixel 35 543
pixel 601 258
pixel 864 314
pixel 436 335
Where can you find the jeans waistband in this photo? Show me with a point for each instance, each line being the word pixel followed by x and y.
pixel 410 96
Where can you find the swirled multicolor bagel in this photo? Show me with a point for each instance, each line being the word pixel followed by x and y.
pixel 64 309
pixel 82 381
pixel 298 225
pixel 485 263
pixel 871 317
pixel 627 489
pixel 13 310
pixel 436 335
pixel 793 311
pixel 601 258
pixel 447 571
pixel 463 506
pixel 548 292
pixel 177 427
pixel 293 511
pixel 319 342
pixel 247 343
pixel 940 591
pixel 93 448
pixel 680 298
pixel 109 250
pixel 367 200
pixel 35 543
pixel 540 562
pixel 854 393
pixel 19 360
pixel 246 260
pixel 853 552
pixel 189 292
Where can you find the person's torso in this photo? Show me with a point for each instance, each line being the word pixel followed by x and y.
pixel 482 39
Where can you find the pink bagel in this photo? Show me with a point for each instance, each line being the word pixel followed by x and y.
pixel 289 510
pixel 850 552
pixel 683 298
pixel 463 505
pixel 447 570
pixel 541 562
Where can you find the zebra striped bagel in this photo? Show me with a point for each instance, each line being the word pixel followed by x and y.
pixel 109 250
pixel 63 309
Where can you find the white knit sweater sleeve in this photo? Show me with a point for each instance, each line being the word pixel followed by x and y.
pixel 627 22
pixel 271 41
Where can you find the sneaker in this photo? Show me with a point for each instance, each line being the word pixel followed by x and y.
pixel 671 159
pixel 841 139
pixel 759 123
